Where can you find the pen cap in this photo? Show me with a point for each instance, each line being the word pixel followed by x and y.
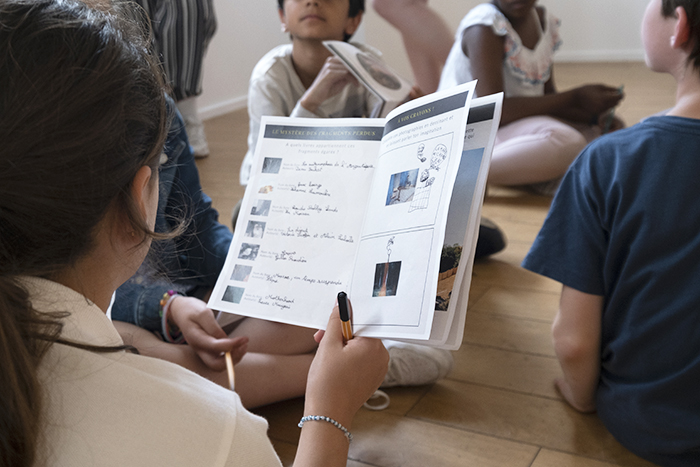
pixel 343 306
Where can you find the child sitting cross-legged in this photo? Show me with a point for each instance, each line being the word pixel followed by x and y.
pixel 509 47
pixel 622 238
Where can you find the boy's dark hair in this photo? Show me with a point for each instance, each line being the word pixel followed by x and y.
pixel 356 6
pixel 692 9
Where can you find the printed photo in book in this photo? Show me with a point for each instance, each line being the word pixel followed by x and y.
pixel 358 205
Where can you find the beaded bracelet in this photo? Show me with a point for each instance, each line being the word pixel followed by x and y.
pixel 171 333
pixel 321 418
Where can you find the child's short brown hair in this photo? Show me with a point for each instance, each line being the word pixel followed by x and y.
pixel 692 9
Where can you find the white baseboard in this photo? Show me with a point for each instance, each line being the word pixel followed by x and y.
pixel 632 55
pixel 223 107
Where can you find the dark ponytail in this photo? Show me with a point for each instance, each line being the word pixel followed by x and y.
pixel 20 353
pixel 82 109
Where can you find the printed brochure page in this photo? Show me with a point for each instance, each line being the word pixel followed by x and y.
pixel 335 204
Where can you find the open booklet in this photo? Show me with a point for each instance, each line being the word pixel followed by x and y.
pixel 361 205
pixel 462 227
pixel 383 82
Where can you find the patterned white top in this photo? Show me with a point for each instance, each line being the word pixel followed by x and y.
pixel 525 71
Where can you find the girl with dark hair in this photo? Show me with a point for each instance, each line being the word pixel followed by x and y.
pixel 83 121
pixel 509 46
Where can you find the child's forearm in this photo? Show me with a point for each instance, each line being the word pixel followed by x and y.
pixel 580 382
pixel 516 108
pixel 576 335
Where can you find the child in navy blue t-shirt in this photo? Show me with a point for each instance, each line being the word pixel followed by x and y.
pixel 623 237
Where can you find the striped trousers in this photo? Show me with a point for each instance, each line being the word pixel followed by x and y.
pixel 182 30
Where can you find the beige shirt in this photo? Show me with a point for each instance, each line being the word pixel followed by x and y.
pixel 121 409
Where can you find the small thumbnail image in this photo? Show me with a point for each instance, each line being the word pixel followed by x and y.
pixel 233 294
pixel 402 186
pixel 265 189
pixel 241 272
pixel 255 229
pixel 272 165
pixel 248 251
pixel 262 208
pixel 378 71
pixel 386 279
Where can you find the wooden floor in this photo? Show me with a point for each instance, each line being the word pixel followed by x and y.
pixel 498 407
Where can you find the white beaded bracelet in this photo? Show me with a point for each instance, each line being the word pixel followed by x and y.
pixel 321 418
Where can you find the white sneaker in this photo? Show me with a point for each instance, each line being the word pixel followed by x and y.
pixel 415 365
pixel 194 127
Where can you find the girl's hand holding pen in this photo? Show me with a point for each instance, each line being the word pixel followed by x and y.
pixel 343 375
pixel 197 323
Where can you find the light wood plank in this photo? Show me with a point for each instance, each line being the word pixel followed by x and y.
pixel 527 304
pixel 513 254
pixel 392 441
pixel 528 419
pixel 506 333
pixel 514 371
pixel 495 272
pixel 547 458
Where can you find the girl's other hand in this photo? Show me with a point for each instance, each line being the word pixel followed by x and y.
pixel 202 332
pixel 343 376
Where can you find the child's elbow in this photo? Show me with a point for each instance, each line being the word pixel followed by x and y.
pixel 572 347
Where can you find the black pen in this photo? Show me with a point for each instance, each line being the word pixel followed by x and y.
pixel 344 310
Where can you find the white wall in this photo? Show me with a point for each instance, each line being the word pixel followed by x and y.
pixel 592 30
pixel 247 29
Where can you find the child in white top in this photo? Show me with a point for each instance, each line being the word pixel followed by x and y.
pixel 509 46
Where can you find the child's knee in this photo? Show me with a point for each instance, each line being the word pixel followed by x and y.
pixel 383 7
pixel 390 9
pixel 569 140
